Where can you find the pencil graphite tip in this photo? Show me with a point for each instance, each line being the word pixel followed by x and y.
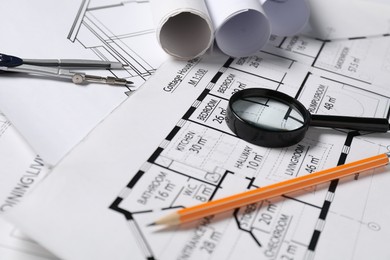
pixel 151 224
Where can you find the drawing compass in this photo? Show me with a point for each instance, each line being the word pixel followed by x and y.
pixel 60 68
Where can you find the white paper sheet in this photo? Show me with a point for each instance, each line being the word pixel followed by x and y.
pixel 355 77
pixel 30 102
pixel 349 19
pixel 21 172
pixel 287 17
pixel 241 27
pixel 54 115
pixel 176 151
pixel 184 29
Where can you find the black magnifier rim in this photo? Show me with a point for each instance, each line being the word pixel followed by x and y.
pixel 265 137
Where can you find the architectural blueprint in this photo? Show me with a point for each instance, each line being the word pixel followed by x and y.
pixel 91 32
pixel 21 171
pixel 168 147
pixel 54 115
pixel 131 41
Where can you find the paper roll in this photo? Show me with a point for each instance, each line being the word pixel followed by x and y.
pixel 184 28
pixel 242 27
pixel 287 17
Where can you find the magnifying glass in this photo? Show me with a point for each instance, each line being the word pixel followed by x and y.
pixel 270 118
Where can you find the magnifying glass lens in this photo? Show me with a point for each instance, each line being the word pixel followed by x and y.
pixel 271 118
pixel 267 117
pixel 268 113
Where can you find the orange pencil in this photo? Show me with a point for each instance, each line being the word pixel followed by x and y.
pixel 273 190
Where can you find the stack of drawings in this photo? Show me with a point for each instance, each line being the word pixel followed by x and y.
pixel 187 29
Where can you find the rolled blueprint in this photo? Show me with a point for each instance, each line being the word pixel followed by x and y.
pixel 287 17
pixel 184 28
pixel 241 27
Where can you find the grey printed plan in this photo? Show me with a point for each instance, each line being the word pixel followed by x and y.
pixel 167 145
pixel 201 159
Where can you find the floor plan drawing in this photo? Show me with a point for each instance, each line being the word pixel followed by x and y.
pixel 128 41
pixel 168 146
pixel 121 31
pixel 186 168
pixel 29 170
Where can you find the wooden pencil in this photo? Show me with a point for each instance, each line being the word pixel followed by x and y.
pixel 220 205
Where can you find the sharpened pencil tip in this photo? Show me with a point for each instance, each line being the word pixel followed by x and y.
pixel 151 224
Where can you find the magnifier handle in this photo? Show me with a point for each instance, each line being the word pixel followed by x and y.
pixel 354 123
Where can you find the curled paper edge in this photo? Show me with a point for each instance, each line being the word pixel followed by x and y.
pixel 184 32
pixel 258 34
pixel 242 27
pixel 287 17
